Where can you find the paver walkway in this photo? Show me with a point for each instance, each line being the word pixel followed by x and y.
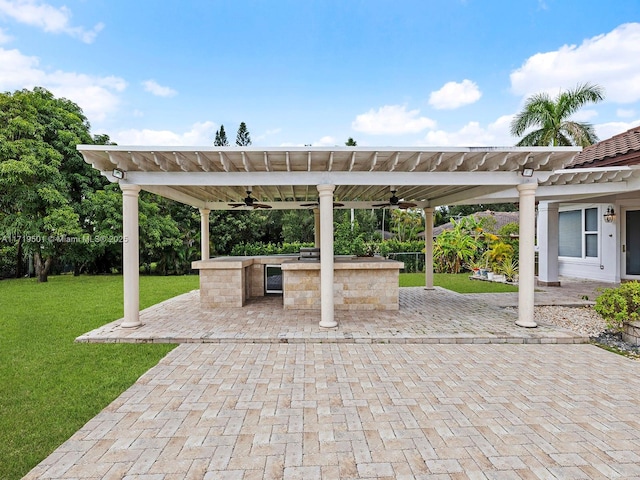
pixel 311 411
pixel 262 392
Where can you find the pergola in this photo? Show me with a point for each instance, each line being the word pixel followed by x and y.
pixel 212 178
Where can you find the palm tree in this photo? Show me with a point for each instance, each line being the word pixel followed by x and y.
pixel 552 116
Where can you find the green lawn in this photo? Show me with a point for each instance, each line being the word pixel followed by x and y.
pixel 458 283
pixel 51 386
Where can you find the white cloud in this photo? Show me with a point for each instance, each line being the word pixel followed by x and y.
pixel 268 133
pixel 608 130
pixel 97 96
pixel 473 135
pixel 4 38
pixel 326 141
pixel 625 113
pixel 47 17
pixel 453 95
pixel 202 133
pixel 609 60
pixel 391 120
pixel 584 115
pixel 154 88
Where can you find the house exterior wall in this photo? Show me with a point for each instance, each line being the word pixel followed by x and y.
pixel 606 266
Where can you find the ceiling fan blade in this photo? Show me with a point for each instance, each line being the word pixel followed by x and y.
pixel 236 205
pixel 405 205
pixel 261 205
pixel 335 204
pixel 382 205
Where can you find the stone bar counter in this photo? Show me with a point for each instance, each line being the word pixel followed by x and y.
pixel 360 283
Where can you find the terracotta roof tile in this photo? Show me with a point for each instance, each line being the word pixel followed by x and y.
pixel 621 149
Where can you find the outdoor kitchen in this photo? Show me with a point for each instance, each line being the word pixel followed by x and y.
pixel 360 283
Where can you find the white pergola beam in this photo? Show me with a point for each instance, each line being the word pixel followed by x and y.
pixel 558 192
pixel 174 194
pixel 467 195
pixel 239 179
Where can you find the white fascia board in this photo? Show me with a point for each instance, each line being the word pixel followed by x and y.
pixel 240 179
pixel 622 168
pixel 335 148
pixel 560 192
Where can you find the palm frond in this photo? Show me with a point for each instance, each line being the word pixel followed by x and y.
pixel 532 139
pixel 536 111
pixel 580 133
pixel 571 101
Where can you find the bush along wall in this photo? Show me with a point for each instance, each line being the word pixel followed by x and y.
pixel 411 253
pixel 252 249
pixel 620 307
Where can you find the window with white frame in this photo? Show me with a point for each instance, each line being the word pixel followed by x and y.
pixel 578 233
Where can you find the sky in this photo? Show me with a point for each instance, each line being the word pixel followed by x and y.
pixel 316 72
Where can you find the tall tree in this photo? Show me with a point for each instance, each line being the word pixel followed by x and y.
pixel 242 138
pixel 42 176
pixel 552 118
pixel 221 138
pixel 297 226
pixel 351 142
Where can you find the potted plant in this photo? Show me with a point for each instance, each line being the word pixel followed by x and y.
pixel 509 267
pixel 474 266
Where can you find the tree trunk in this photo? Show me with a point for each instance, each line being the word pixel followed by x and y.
pixel 42 268
pixel 19 262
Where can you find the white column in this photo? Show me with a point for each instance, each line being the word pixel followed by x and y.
pixel 326 256
pixel 527 194
pixel 130 256
pixel 548 239
pixel 204 233
pixel 428 248
pixel 316 227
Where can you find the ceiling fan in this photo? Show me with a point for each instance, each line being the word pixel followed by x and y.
pixel 249 201
pixel 395 202
pixel 317 204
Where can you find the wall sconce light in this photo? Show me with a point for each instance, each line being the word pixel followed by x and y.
pixel 119 174
pixel 527 172
pixel 610 215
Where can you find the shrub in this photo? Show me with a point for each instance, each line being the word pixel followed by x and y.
pixel 498 253
pixel 619 305
pixel 251 249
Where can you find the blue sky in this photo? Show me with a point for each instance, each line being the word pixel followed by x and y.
pixel 387 73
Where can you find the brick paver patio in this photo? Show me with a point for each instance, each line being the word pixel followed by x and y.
pixel 425 316
pixel 262 392
pixel 311 411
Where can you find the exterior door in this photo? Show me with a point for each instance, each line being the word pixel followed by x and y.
pixel 631 244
